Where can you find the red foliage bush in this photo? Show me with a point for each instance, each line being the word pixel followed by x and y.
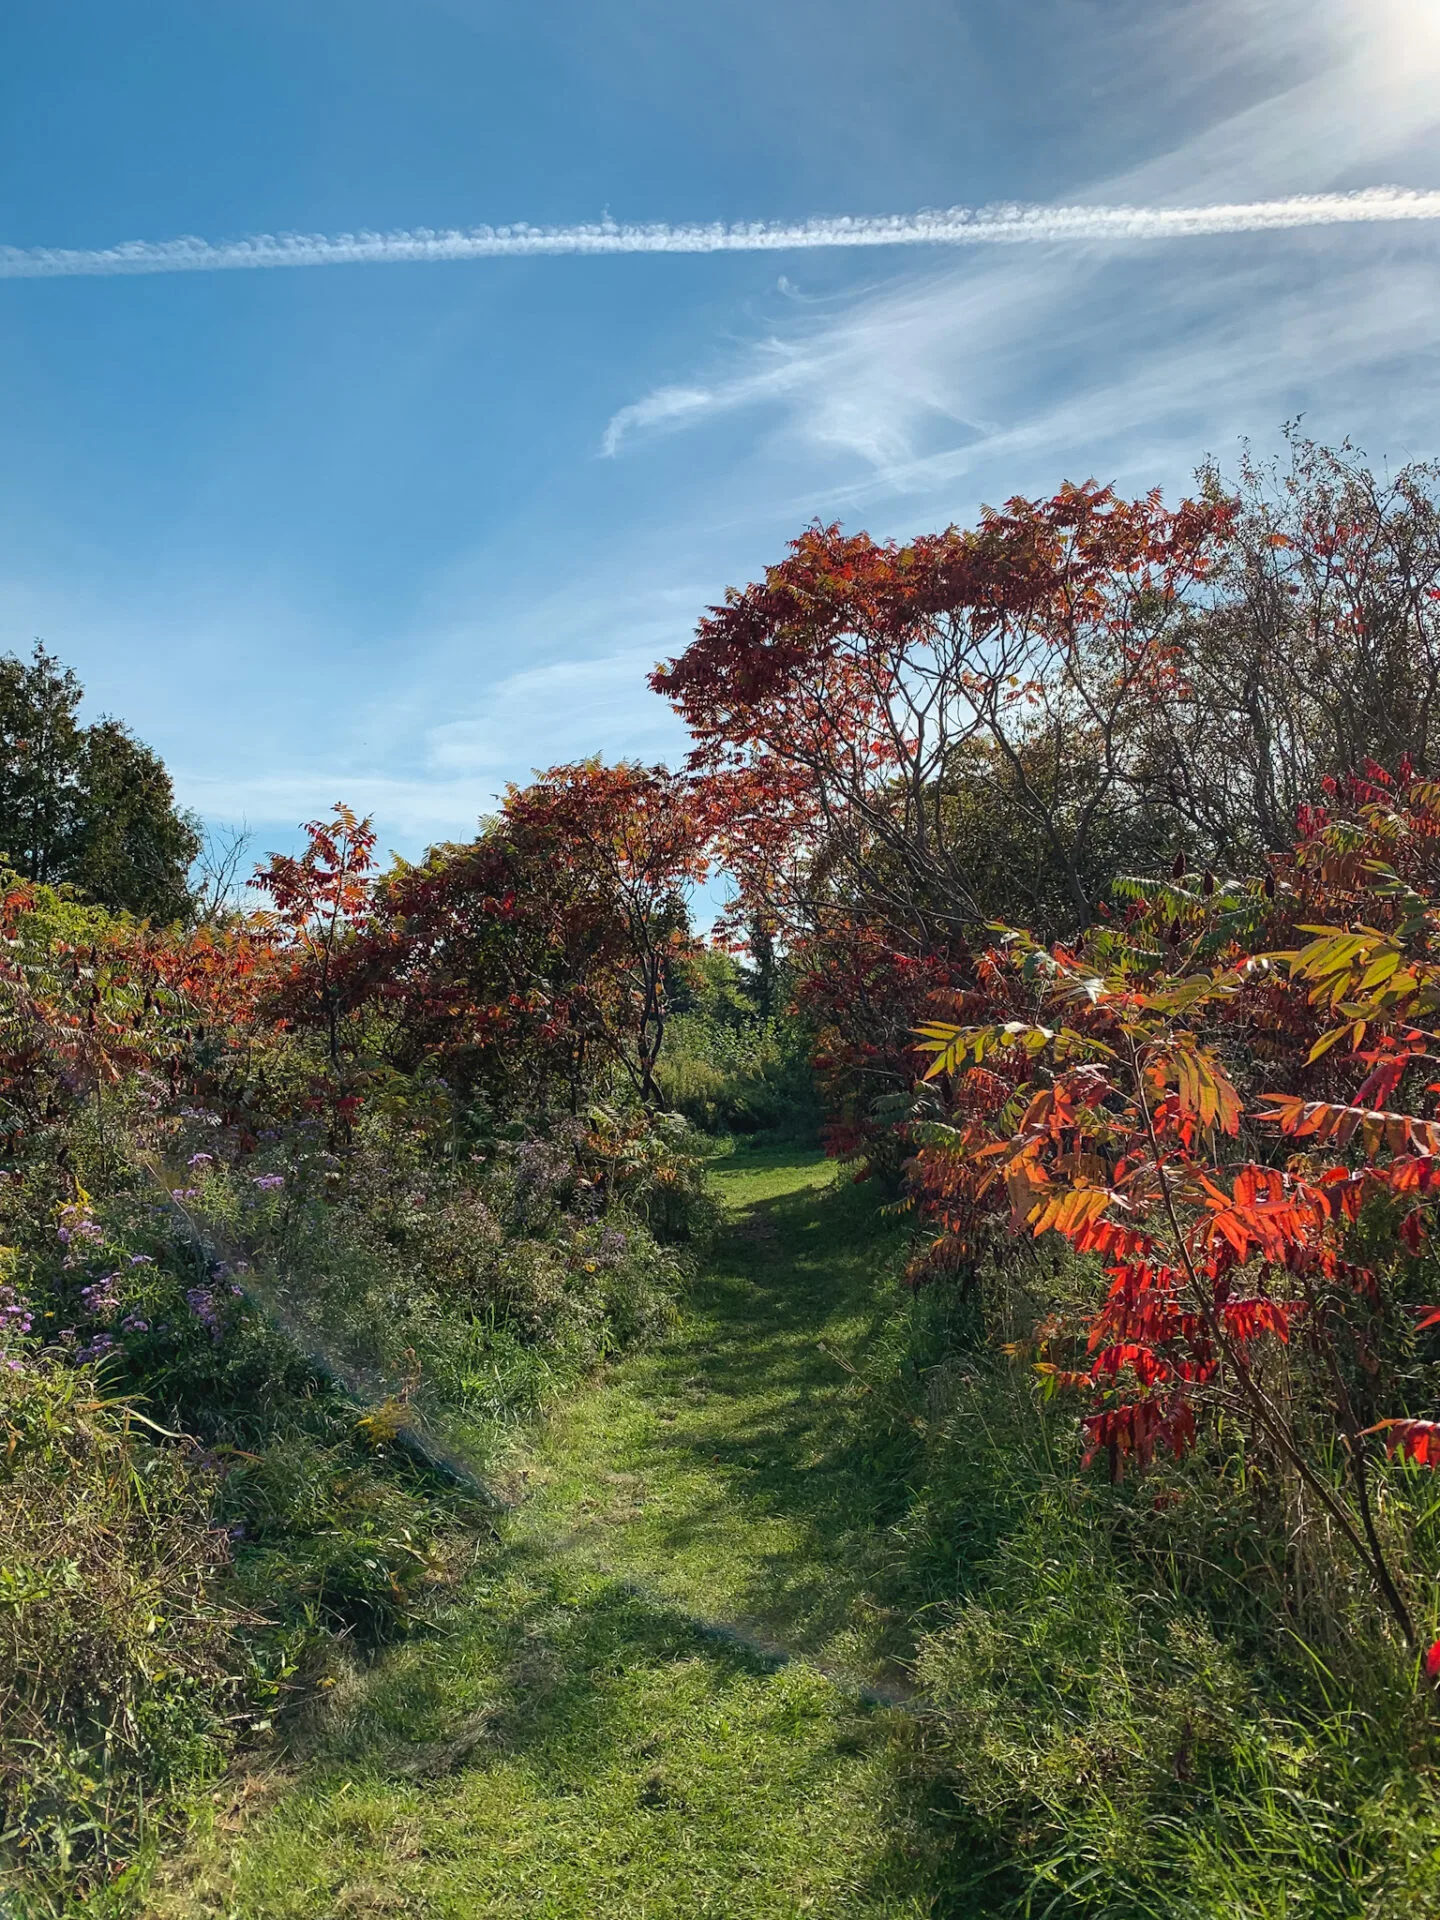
pixel 1237 1200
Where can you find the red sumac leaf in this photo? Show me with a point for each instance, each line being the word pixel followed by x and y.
pixel 1417 1440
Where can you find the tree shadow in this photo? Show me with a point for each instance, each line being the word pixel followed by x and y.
pixel 772 1420
pixel 543 1683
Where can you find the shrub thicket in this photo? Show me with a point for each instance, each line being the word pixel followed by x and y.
pixel 737 1057
pixel 263 1336
pixel 1128 1703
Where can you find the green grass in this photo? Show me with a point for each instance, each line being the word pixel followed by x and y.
pixel 599 1730
pixel 723 1469
pixel 673 1686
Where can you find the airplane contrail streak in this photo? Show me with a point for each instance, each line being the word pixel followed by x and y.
pixel 955 227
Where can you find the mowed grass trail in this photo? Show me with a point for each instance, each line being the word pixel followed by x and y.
pixel 724 1469
pixel 600 1730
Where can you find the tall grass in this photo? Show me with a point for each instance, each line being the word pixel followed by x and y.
pixel 1124 1702
pixel 741 1076
pixel 120 1672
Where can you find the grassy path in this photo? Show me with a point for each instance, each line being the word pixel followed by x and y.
pixel 582 1742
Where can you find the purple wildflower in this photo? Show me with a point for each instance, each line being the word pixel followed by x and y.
pixel 16 1314
pixel 75 1232
pixel 99 1297
pixel 269 1182
pixel 202 1305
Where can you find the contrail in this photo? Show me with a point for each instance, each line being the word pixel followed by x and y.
pixel 957 227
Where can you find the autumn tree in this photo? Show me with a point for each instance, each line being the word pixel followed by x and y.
pixel 478 964
pixel 873 708
pixel 906 740
pixel 1227 1103
pixel 321 895
pixel 634 841
pixel 532 964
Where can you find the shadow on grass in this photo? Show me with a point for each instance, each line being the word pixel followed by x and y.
pixel 591 1689
pixel 771 1419
pixel 600 1695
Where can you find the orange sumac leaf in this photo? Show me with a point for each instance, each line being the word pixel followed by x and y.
pixel 1068 1212
pixel 1334 1125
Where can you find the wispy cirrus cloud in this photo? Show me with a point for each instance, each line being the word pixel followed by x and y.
pixel 666 406
pixel 960 355
pixel 950 227
pixel 926 377
pixel 439 778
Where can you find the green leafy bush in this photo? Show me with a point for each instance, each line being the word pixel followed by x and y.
pixel 331 1350
pixel 735 1061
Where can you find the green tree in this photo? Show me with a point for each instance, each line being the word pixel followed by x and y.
pixel 89 805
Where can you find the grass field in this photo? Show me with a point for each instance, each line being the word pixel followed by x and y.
pixel 610 1724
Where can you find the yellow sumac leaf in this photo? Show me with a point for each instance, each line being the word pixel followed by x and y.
pixel 1219 1101
pixel 1067 1213
pixel 952 1045
pixel 1380 969
pixel 1323 1045
pixel 1187 1081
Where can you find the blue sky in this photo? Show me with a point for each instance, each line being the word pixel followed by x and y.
pixel 396 534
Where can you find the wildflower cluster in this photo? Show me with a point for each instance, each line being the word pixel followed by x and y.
pixel 17 1317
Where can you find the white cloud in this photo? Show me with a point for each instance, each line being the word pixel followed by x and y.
pixel 453 771
pixel 1073 350
pixel 666 406
pixel 562 711
pixel 993 370
pixel 422 726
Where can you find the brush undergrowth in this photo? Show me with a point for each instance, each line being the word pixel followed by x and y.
pixel 117 1670
pixel 735 1063
pixel 234 1387
pixel 1119 1711
pixel 1162 1698
pixel 1158 1698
